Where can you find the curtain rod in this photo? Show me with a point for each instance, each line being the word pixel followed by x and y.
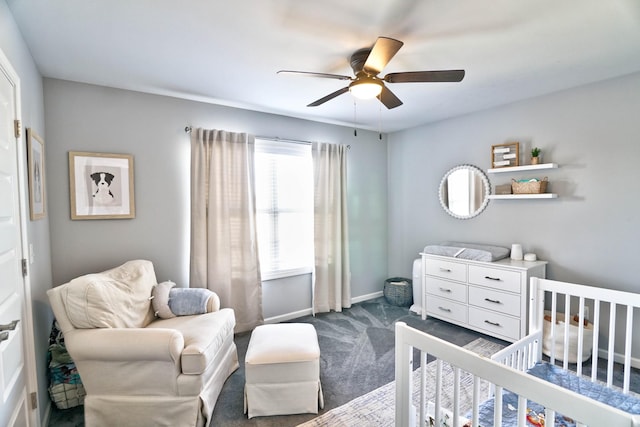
pixel 187 129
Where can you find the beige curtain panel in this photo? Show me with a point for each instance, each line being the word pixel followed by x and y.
pixel 224 246
pixel 332 276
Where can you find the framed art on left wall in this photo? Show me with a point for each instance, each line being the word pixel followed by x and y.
pixel 35 158
pixel 101 186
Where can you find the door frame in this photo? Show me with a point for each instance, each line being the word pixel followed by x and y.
pixel 27 327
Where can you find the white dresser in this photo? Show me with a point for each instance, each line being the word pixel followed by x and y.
pixel 488 297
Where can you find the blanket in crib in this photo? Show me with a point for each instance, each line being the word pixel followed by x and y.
pixel 595 390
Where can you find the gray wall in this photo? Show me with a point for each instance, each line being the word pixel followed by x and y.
pixel 15 49
pixel 90 118
pixel 589 234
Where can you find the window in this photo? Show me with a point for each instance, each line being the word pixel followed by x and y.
pixel 284 208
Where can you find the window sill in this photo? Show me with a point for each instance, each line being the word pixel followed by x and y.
pixel 286 273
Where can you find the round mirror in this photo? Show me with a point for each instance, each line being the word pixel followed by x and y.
pixel 464 191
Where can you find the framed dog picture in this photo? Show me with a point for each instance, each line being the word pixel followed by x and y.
pixel 35 157
pixel 101 186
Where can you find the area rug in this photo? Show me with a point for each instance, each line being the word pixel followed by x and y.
pixel 377 408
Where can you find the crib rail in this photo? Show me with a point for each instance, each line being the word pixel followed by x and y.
pixel 571 301
pixel 522 354
pixel 527 387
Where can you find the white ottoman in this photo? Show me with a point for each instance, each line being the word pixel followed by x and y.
pixel 282 370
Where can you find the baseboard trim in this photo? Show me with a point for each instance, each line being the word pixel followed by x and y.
pixel 47 416
pixel 308 311
pixel 619 358
pixel 366 297
pixel 288 316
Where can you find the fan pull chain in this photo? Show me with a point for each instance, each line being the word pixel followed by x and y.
pixel 355 130
pixel 380 121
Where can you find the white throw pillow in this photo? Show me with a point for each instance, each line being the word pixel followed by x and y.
pixel 116 298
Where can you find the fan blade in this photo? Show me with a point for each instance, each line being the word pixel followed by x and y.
pixel 322 75
pixel 381 53
pixel 329 97
pixel 389 99
pixel 425 76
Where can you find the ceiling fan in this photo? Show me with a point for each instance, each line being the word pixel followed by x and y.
pixel 367 63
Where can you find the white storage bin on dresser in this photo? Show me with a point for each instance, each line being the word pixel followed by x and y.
pixel 488 297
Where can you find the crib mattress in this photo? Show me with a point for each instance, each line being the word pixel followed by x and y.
pixel 595 390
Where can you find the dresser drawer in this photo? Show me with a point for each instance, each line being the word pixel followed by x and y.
pixel 495 278
pixel 445 289
pixel 446 269
pixel 494 300
pixel 446 309
pixel 495 323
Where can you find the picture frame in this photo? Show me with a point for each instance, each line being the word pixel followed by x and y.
pixel 505 155
pixel 35 159
pixel 101 186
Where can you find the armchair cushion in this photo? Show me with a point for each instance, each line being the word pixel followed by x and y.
pixel 116 298
pixel 203 335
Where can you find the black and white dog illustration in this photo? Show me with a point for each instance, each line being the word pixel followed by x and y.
pixel 102 195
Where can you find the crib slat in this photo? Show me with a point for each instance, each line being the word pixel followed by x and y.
pixel 596 334
pixel 497 408
pixel 476 400
pixel 554 309
pixel 549 417
pixel 522 411
pixel 423 387
pixel 438 397
pixel 610 350
pixel 456 396
pixel 580 334
pixel 567 322
pixel 627 350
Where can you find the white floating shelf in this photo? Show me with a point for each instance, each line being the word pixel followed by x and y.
pixel 523 196
pixel 523 168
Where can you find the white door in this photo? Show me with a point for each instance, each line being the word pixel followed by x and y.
pixel 14 403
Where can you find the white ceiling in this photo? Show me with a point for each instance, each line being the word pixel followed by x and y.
pixel 228 52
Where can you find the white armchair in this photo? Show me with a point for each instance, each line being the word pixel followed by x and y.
pixel 136 369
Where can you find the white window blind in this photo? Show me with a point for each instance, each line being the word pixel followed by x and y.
pixel 284 205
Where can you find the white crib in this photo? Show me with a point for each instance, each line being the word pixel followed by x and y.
pixel 610 312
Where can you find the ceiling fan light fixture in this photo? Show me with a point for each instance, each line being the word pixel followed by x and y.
pixel 366 88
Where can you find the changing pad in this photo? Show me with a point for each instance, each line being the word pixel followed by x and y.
pixel 471 251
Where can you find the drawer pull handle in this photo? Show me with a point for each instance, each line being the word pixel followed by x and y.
pixel 492 278
pixel 445 270
pixel 4 336
pixel 448 310
pixel 492 323
pixel 495 301
pixel 444 290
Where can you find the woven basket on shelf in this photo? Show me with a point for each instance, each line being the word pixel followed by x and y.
pixel 398 291
pixel 529 187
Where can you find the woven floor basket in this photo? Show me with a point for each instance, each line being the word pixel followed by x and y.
pixel 398 291
pixel 534 187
